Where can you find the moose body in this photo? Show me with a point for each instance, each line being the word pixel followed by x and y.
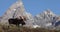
pixel 16 21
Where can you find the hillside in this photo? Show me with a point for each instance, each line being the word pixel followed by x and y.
pixel 13 28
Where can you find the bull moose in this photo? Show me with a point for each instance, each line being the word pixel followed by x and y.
pixel 17 21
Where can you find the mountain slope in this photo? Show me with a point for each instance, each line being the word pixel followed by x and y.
pixel 44 18
pixel 16 10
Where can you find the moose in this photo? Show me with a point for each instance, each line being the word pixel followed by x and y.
pixel 16 21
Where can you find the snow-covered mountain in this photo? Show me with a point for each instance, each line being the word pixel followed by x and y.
pixel 45 19
pixel 16 10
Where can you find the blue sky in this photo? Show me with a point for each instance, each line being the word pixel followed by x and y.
pixel 33 6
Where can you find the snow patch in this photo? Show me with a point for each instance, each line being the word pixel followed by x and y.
pixel 35 26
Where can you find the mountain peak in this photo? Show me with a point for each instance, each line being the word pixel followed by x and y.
pixel 48 12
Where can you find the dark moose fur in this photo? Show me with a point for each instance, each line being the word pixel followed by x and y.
pixel 16 21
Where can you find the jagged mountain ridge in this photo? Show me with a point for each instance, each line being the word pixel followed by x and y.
pixel 46 16
pixel 47 19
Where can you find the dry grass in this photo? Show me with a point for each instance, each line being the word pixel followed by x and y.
pixel 13 28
